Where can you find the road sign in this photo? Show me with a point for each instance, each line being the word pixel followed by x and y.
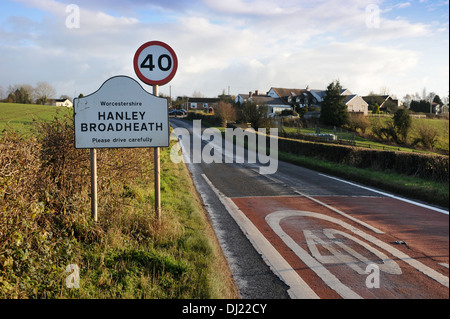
pixel 155 63
pixel 121 114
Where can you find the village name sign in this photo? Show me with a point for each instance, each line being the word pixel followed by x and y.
pixel 121 114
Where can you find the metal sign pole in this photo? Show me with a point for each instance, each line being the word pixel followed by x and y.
pixel 94 184
pixel 157 173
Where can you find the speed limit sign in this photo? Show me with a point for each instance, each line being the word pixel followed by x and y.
pixel 155 63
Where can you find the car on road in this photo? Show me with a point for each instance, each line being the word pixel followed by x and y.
pixel 177 112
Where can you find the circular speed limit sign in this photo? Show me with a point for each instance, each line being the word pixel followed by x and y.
pixel 155 63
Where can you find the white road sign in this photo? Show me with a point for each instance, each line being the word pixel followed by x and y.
pixel 155 63
pixel 121 114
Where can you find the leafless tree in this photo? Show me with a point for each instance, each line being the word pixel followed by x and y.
pixel 44 91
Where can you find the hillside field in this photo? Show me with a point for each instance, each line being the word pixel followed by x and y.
pixel 20 118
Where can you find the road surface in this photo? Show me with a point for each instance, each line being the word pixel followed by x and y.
pixel 302 234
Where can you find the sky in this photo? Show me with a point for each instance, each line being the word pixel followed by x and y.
pixel 231 46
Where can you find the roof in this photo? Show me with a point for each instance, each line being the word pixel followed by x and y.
pixel 348 98
pixel 288 92
pixel 264 99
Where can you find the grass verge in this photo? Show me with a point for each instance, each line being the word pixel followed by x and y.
pixel 45 224
pixel 408 186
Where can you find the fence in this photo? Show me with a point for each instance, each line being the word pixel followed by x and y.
pixel 292 128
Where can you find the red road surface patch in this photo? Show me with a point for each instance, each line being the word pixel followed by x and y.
pixel 325 239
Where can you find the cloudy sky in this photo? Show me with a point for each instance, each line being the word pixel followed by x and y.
pixel 232 45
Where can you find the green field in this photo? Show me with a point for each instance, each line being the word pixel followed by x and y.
pixel 367 140
pixel 21 118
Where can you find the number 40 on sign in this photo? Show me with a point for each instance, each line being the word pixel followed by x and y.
pixel 155 63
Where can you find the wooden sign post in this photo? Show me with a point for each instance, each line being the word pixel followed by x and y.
pixel 155 63
pixel 157 173
pixel 94 184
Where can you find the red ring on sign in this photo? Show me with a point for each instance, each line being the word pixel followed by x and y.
pixel 142 77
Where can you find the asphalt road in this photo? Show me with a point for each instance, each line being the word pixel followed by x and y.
pixel 301 234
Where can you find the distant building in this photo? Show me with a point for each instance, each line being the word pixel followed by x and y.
pixel 202 103
pixel 383 101
pixel 63 102
pixel 274 104
pixel 308 97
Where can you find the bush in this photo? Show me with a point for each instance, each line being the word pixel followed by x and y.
pixel 402 123
pixel 44 197
pixel 225 112
pixel 358 121
pixel 432 167
pixel 205 118
pixel 428 136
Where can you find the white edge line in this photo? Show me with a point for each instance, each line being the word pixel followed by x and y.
pixel 389 195
pixel 298 287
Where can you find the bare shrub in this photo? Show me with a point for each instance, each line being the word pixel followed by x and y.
pixel 358 121
pixel 428 136
pixel 226 113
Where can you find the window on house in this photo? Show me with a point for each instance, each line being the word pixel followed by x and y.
pixel 193 105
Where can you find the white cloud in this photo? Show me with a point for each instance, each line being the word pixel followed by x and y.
pixel 243 44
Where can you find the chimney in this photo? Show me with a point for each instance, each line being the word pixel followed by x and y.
pixel 256 92
pixel 307 88
pixel 250 94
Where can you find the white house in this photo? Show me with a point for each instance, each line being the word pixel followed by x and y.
pixel 274 104
pixel 315 97
pixel 63 102
pixel 356 104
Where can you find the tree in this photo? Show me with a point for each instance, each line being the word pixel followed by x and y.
pixel 376 109
pixel 226 113
pixel 402 123
pixel 420 106
pixel 407 99
pixel 44 91
pixel 437 100
pixel 254 114
pixel 334 111
pixel 22 95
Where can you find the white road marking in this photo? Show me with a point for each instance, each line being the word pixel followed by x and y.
pixel 331 280
pixel 352 257
pixel 389 195
pixel 298 287
pixel 273 220
pixel 374 229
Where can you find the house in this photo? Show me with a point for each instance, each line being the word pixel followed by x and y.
pixel 309 97
pixel 356 104
pixel 202 103
pixel 300 97
pixel 63 102
pixel 436 108
pixel 385 102
pixel 275 104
